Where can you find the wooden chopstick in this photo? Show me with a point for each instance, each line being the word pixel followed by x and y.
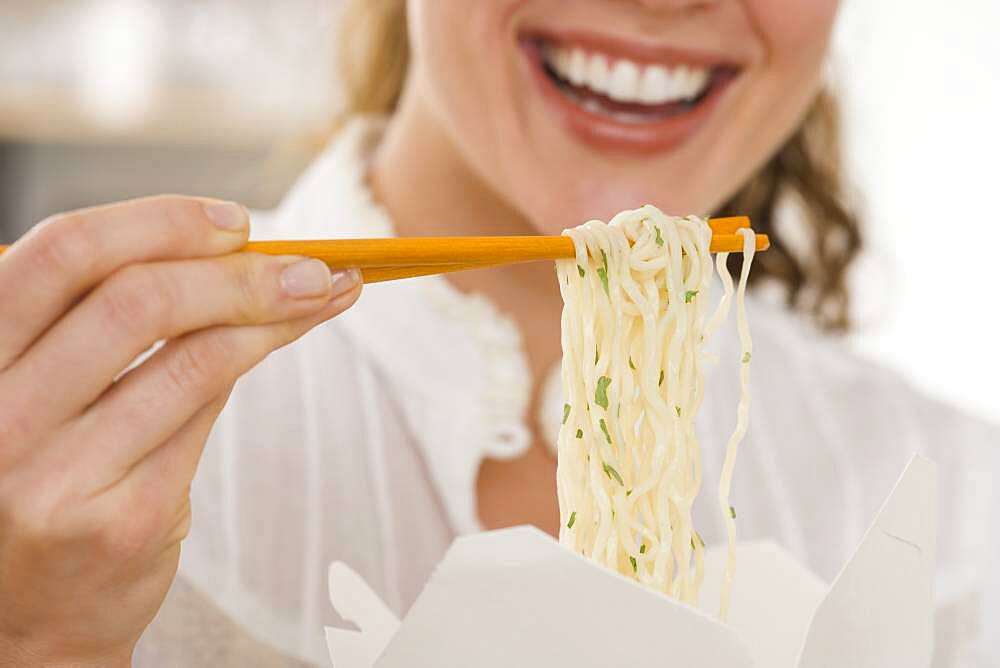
pixel 381 274
pixel 390 259
pixel 394 258
pixel 420 251
pixel 728 225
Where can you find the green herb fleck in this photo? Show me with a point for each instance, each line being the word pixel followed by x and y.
pixel 604 259
pixel 566 410
pixel 635 566
pixel 604 428
pixel 732 512
pixel 572 520
pixel 642 549
pixel 597 356
pixel 661 378
pixel 602 273
pixel 601 394
pixel 678 409
pixel 579 433
pixel 689 295
pixel 746 358
pixel 582 272
pixel 631 364
pixel 659 239
pixel 613 474
pixel 628 492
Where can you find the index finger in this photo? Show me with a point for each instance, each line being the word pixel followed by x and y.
pixel 64 257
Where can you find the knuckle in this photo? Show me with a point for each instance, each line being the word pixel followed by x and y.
pixel 113 533
pixel 288 332
pixel 61 244
pixel 137 301
pixel 31 519
pixel 121 540
pixel 17 428
pixel 197 363
pixel 244 276
pixel 43 522
pixel 40 503
pixel 181 219
pixel 182 527
pixel 146 525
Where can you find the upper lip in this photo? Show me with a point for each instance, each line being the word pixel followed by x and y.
pixel 636 51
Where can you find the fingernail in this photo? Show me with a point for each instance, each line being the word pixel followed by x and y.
pixel 345 281
pixel 306 279
pixel 227 216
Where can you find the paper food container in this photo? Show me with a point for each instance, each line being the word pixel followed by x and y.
pixel 515 597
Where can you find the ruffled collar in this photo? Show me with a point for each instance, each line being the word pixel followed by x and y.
pixel 454 363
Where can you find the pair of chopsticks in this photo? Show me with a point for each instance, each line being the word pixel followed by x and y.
pixel 390 259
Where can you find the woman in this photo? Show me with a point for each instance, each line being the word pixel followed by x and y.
pixel 421 414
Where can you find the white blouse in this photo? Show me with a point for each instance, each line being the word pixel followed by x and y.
pixel 362 441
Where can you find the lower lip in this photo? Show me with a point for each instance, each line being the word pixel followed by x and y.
pixel 607 134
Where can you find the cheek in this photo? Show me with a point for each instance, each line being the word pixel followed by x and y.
pixel 465 72
pixel 462 51
pixel 793 37
pixel 796 34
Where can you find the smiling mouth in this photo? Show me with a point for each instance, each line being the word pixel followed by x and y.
pixel 607 94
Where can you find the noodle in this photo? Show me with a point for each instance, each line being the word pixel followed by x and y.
pixel 634 326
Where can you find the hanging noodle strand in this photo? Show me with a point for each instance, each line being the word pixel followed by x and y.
pixel 634 327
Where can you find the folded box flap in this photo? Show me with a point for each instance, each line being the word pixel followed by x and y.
pixel 879 610
pixel 355 602
pixel 517 598
pixel 773 599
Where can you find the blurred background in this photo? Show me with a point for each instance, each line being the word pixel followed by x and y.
pixel 106 99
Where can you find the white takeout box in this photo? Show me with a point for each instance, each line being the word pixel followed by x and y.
pixel 515 597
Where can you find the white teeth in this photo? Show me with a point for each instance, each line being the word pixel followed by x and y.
pixel 577 67
pixel 684 81
pixel 698 81
pixel 627 81
pixel 624 86
pixel 654 87
pixel 597 74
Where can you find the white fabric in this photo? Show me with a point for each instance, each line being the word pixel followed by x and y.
pixel 361 443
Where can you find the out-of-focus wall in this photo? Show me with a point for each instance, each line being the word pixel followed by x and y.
pixel 106 99
pixel 187 72
pixel 37 180
pixel 921 83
